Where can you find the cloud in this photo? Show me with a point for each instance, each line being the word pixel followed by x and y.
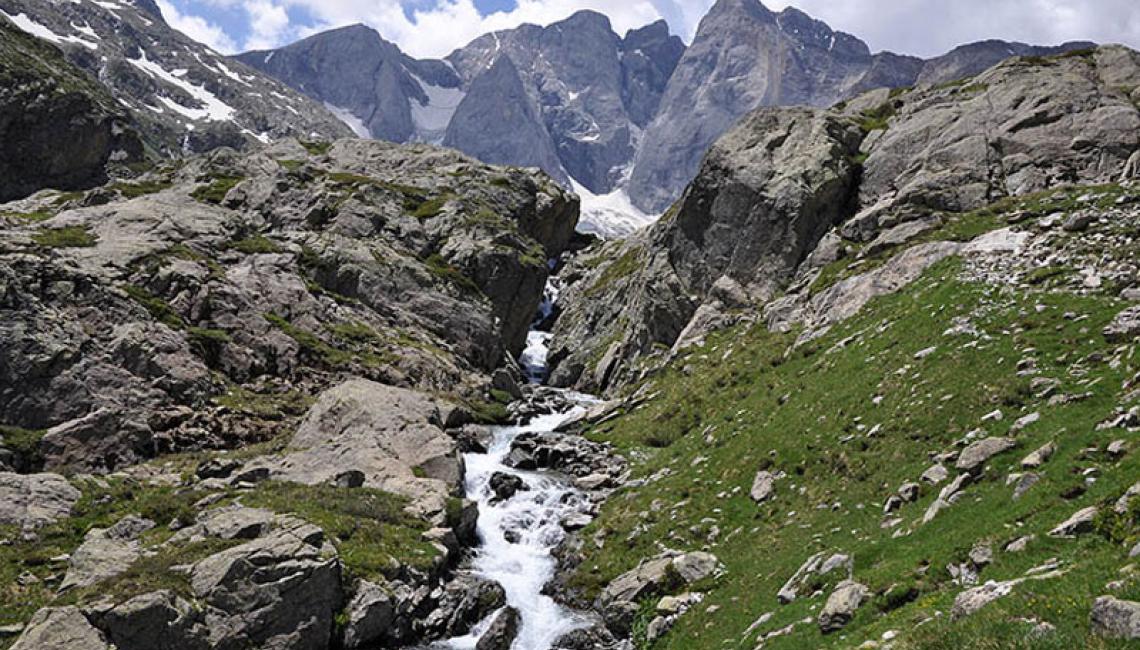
pixel 198 28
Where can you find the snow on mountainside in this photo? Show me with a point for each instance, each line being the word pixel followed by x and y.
pixel 184 96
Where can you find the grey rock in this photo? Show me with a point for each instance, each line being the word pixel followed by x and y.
pixel 506 485
pixel 1025 483
pixel 105 553
pixel 1054 122
pixel 502 632
pixel 971 600
pixel 35 500
pixel 371 613
pixel 762 486
pixel 1125 501
pixel 156 621
pixel 935 474
pixel 1115 619
pixel 278 591
pixel 1040 456
pixel 841 605
pixel 653 576
pixel 389 434
pixel 977 454
pixel 1080 522
pixel 60 628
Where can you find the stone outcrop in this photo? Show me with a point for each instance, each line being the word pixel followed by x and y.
pixel 1115 619
pixel 60 628
pixel 766 194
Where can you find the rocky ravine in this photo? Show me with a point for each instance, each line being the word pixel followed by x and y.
pixel 877 171
pixel 307 336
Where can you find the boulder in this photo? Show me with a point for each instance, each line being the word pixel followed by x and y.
pixel 657 575
pixel 1082 521
pixel 972 600
pixel 506 485
pixel 1115 619
pixel 1039 457
pixel 156 621
pixel 371 613
pixel 105 553
pixel 60 628
pixel 35 500
pixel 502 632
pixel 841 605
pixel 279 591
pixel 975 456
pixel 762 486
pixel 393 436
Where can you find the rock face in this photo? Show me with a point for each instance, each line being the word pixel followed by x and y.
pixel 767 192
pixel 1023 126
pixel 373 86
pixel 498 122
pixel 393 436
pixel 34 500
pixel 403 265
pixel 58 128
pixel 744 57
pixel 182 95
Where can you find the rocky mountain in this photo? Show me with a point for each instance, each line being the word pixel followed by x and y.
pixel 751 225
pixel 578 93
pixel 973 58
pixel 182 96
pixel 368 82
pixel 745 56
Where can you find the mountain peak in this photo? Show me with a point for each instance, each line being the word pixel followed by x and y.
pixel 751 8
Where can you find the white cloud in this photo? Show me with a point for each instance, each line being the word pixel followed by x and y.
pixel 197 28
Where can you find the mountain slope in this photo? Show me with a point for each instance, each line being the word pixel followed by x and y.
pixel 57 127
pixel 183 96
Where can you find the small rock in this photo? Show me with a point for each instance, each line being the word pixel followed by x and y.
pixel 1023 422
pixel 1080 522
pixel 1020 544
pixel 972 600
pixel 217 468
pixel 506 485
pixel 762 486
pixel 1024 483
pixel 1117 448
pixel 935 474
pixel 1039 457
pixel 909 492
pixel 982 554
pixel 350 479
pixel 841 605
pixel 1078 222
pixel 1124 327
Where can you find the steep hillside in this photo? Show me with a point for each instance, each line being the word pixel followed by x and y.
pixel 58 128
pixel 910 424
pixel 183 97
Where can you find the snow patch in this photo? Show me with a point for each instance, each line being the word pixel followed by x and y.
pixel 610 216
pixel 431 119
pixel 212 110
pixel 351 120
pixel 39 31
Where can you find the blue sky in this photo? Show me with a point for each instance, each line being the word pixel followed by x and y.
pixel 432 28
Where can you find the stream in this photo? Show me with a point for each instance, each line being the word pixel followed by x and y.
pixel 517 536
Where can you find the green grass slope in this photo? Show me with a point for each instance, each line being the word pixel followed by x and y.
pixel 849 418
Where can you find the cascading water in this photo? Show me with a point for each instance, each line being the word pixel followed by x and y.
pixel 519 534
